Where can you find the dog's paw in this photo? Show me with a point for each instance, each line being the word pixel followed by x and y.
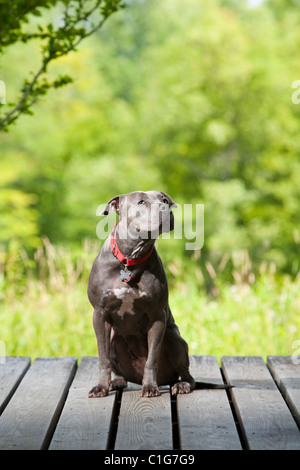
pixel 98 391
pixel 118 384
pixel 150 391
pixel 181 388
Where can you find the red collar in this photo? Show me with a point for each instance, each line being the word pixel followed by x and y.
pixel 117 253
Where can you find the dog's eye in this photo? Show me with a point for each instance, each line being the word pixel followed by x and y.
pixel 165 201
pixel 142 202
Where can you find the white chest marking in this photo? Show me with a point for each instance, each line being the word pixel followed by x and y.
pixel 128 296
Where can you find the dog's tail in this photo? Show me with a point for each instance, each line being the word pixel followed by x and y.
pixel 207 385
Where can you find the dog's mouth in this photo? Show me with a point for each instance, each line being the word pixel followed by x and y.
pixel 163 223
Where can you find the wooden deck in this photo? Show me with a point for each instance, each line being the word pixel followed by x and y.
pixel 44 405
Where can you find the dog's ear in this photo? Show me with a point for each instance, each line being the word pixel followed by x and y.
pixel 170 200
pixel 112 206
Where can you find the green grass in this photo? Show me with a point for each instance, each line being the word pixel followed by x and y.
pixel 260 319
pixel 45 310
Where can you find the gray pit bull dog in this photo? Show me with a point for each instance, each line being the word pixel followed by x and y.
pixel 136 333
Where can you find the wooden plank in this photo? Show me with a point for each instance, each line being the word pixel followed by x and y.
pixel 204 417
pixel 12 370
pixel 286 372
pixel 85 423
pixel 29 419
pixel 144 423
pixel 264 417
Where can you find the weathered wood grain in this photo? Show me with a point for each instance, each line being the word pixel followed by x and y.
pixel 43 407
pixel 264 417
pixel 144 423
pixel 85 423
pixel 286 371
pixel 205 419
pixel 29 419
pixel 12 371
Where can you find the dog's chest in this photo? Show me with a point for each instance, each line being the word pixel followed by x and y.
pixel 124 301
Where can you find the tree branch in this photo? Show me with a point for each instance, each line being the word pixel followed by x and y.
pixel 57 47
pixel 17 110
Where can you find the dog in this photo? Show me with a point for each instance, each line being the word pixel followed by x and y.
pixel 137 337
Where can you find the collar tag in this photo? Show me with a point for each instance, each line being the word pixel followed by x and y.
pixel 125 275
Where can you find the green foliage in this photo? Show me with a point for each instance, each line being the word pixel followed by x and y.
pixel 14 14
pixel 78 20
pixel 191 98
pixel 19 217
pixel 51 315
pixel 199 106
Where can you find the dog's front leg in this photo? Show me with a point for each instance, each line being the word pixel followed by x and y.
pixel 155 338
pixel 102 330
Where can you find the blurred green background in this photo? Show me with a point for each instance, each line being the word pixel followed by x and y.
pixel 191 98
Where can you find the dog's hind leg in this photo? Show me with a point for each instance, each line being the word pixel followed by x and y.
pixel 178 356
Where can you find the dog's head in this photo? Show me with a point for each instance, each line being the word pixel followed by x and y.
pixel 144 214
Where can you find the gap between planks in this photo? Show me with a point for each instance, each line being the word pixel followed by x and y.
pixel 31 415
pixel 264 417
pixel 67 419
